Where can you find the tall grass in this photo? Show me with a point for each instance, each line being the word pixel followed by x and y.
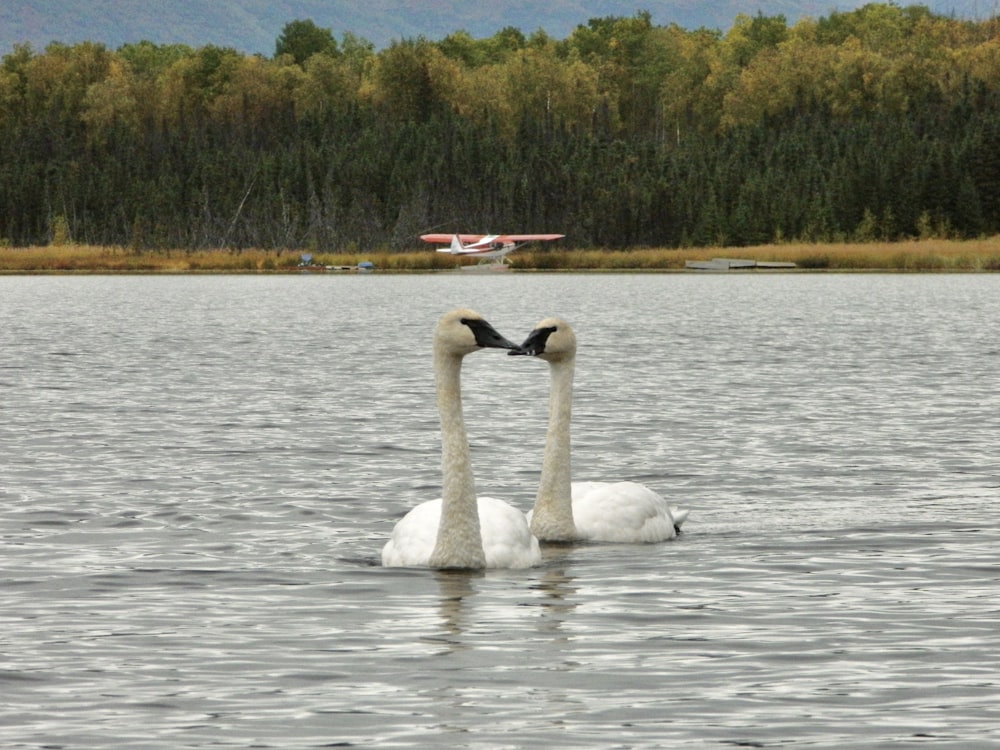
pixel 95 259
pixel 924 255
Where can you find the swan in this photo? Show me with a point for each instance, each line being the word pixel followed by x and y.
pixel 567 511
pixel 457 530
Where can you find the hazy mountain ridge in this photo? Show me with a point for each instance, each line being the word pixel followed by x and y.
pixel 253 25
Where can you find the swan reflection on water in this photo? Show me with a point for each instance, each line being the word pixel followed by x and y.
pixel 458 590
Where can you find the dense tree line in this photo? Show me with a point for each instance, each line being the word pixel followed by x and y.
pixel 878 123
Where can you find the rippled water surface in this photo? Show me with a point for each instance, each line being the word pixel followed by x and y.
pixel 197 475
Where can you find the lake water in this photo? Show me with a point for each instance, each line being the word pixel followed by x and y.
pixel 197 474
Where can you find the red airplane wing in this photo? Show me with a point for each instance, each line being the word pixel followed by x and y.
pixel 528 237
pixel 444 239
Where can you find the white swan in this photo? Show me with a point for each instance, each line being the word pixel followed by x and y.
pixel 597 511
pixel 456 531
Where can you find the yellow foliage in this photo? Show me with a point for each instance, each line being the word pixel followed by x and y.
pixel 111 100
pixel 256 88
pixel 327 83
pixel 981 63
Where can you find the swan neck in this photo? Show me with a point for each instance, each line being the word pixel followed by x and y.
pixel 459 540
pixel 552 518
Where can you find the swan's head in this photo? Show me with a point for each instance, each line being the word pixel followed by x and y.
pixel 552 340
pixel 463 331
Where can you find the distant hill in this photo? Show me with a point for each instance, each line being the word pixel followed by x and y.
pixel 253 25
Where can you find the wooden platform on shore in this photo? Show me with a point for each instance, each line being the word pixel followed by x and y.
pixel 735 264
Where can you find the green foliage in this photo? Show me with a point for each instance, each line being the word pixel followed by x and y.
pixel 148 60
pixel 473 53
pixel 748 37
pixel 303 39
pixel 878 124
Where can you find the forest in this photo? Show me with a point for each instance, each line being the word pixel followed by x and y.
pixel 877 124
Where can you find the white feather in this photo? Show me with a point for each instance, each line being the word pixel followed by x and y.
pixel 506 539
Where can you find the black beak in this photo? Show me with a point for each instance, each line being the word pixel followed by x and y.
pixel 535 343
pixel 487 336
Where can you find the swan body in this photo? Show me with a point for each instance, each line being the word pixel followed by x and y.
pixel 568 511
pixel 458 530
pixel 506 540
pixel 623 512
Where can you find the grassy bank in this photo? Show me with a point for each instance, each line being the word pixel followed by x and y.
pixel 924 255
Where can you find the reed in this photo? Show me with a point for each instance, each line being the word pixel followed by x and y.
pixel 924 255
pixel 917 256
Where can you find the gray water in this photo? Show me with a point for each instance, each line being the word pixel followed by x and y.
pixel 197 475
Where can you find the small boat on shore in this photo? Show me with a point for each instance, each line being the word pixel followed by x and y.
pixel 306 265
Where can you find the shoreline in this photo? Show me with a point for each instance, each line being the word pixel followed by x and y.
pixel 914 256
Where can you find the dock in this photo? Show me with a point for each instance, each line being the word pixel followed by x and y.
pixel 736 264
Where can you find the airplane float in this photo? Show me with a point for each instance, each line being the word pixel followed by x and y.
pixel 486 247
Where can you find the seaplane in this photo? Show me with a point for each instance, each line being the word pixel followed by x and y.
pixel 491 249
